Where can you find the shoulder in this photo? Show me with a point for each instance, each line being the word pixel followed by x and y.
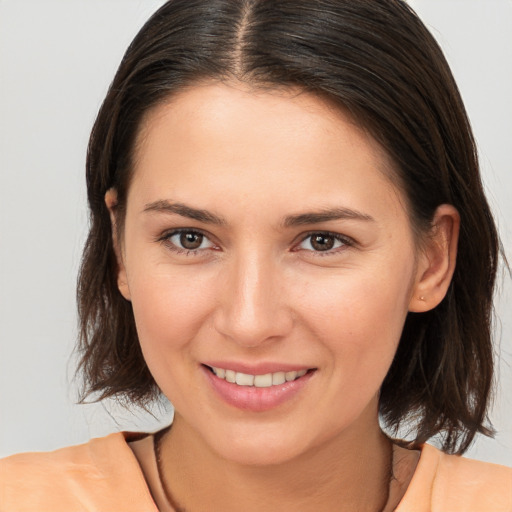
pixel 86 477
pixel 458 484
pixel 475 484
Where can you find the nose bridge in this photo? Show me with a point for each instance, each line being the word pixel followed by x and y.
pixel 252 309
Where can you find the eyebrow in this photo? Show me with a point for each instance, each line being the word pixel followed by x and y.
pixel 315 217
pixel 183 210
pixel 325 215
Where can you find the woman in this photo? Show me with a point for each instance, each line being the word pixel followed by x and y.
pixel 288 238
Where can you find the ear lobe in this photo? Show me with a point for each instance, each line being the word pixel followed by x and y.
pixel 436 262
pixel 122 281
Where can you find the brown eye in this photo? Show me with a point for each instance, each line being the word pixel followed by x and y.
pixel 189 240
pixel 324 242
pixel 321 242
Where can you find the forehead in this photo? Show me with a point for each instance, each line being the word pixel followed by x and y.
pixel 249 143
pixel 218 105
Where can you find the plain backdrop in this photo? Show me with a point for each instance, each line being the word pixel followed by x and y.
pixel 57 58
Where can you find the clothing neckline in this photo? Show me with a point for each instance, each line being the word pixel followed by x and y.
pixel 142 448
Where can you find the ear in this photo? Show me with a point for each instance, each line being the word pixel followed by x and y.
pixel 436 261
pixel 122 281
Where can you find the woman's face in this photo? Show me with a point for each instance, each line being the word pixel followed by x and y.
pixel 264 240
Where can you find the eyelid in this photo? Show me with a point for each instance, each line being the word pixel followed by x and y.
pixel 166 236
pixel 344 239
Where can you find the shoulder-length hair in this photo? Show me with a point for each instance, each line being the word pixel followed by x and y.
pixel 376 60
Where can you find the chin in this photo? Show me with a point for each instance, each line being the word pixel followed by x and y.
pixel 265 444
pixel 259 453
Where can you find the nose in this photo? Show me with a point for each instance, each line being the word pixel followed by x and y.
pixel 252 308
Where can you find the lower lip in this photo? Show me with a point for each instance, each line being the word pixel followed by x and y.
pixel 250 398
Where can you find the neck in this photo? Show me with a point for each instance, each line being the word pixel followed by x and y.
pixel 350 472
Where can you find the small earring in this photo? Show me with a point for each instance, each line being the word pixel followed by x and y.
pixel 422 298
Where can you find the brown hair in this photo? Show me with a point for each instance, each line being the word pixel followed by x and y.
pixel 374 58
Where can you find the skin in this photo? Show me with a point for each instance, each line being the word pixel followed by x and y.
pixel 257 291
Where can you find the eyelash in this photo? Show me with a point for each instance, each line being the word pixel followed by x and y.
pixel 166 240
pixel 345 241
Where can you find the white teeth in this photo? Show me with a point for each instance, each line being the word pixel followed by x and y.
pixel 220 372
pixel 243 379
pixel 263 381
pixel 290 376
pixel 258 381
pixel 278 378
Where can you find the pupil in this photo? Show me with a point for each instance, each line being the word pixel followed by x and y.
pixel 322 242
pixel 191 240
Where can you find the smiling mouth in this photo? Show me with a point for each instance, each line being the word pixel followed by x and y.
pixel 266 380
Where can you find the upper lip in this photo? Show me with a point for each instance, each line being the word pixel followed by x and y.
pixel 261 368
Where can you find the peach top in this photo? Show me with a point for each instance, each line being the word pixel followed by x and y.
pixel 105 475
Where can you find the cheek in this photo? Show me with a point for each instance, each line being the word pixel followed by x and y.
pixel 359 316
pixel 170 307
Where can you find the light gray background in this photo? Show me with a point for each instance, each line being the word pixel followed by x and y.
pixel 57 58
